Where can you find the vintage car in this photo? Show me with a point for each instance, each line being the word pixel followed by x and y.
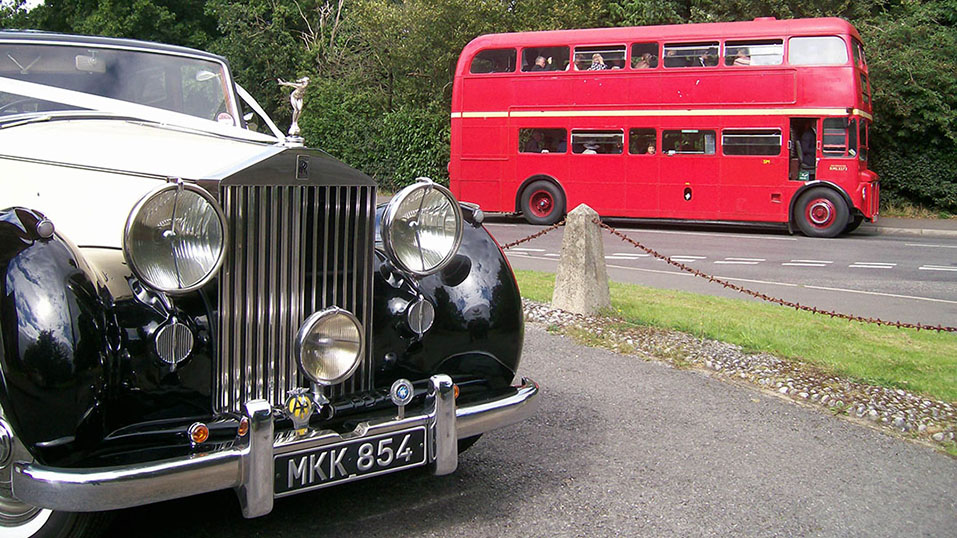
pixel 190 305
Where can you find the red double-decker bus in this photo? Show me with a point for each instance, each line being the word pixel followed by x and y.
pixel 760 121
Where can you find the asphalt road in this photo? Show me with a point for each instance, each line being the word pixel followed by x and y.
pixel 905 278
pixel 622 447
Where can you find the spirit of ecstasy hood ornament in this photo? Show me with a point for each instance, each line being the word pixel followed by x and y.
pixel 295 99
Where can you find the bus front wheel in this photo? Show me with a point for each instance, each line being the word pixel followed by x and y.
pixel 821 212
pixel 542 203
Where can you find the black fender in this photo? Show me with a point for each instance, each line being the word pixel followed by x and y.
pixel 55 335
pixel 811 185
pixel 527 182
pixel 479 326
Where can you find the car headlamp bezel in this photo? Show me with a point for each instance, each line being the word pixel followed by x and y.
pixel 138 208
pixel 392 210
pixel 306 329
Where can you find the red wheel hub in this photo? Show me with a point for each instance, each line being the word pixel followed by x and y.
pixel 820 213
pixel 541 203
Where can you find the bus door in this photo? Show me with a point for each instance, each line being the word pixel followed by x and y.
pixel 803 147
pixel 641 173
pixel 688 174
pixel 754 171
pixel 596 170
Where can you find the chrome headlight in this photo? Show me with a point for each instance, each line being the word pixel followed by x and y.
pixel 175 238
pixel 329 346
pixel 422 227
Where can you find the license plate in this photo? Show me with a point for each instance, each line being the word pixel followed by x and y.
pixel 350 460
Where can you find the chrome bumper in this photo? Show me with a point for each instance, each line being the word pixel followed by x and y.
pixel 249 468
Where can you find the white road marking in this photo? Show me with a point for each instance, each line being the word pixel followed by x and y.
pixel 746 259
pixel 734 262
pixel 872 265
pixel 811 261
pixel 521 249
pixel 680 256
pixel 802 264
pixel 552 255
pixel 937 268
pixel 882 294
pixel 502 224
pixel 784 284
pixel 929 246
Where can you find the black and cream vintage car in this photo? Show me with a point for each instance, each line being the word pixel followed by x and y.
pixel 190 305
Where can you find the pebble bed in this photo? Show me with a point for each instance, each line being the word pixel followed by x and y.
pixel 895 410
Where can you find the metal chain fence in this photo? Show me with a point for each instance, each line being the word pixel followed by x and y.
pixel 735 287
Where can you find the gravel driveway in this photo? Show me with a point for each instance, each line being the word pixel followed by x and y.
pixel 624 447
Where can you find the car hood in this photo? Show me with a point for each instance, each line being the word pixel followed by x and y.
pixel 87 174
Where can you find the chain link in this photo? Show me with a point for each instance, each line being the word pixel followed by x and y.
pixel 735 287
pixel 535 235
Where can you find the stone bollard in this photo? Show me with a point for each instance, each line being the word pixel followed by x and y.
pixel 582 282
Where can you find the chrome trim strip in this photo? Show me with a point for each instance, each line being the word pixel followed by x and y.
pixel 249 468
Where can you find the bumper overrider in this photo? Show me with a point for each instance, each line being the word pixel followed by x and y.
pixel 254 466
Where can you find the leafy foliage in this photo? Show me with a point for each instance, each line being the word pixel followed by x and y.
pixel 382 70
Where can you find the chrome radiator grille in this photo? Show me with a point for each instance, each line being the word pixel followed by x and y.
pixel 292 251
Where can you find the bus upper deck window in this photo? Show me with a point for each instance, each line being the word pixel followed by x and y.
pixel 826 50
pixel 599 58
pixel 544 59
pixel 858 51
pixel 743 53
pixel 644 55
pixel 691 54
pixel 493 61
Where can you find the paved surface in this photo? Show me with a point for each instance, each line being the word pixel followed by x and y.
pixel 892 277
pixel 628 448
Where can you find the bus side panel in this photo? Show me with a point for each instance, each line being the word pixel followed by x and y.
pixel 597 180
pixel 641 185
pixel 478 173
pixel 689 186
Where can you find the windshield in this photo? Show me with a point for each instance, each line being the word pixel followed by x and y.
pixel 180 84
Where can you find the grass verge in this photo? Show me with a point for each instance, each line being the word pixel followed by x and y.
pixel 922 362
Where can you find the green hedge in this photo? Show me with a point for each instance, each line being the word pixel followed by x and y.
pixel 927 178
pixel 393 147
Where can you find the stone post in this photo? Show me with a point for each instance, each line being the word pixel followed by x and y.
pixel 582 282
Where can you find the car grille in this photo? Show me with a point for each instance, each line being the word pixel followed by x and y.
pixel 292 251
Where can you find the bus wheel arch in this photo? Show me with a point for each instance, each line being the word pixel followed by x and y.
pixel 821 210
pixel 541 200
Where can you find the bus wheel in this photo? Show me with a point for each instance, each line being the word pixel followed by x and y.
pixel 542 203
pixel 823 213
pixel 854 223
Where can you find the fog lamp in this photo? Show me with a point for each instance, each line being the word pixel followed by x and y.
pixel 329 346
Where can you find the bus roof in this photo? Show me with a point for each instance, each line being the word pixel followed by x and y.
pixel 764 27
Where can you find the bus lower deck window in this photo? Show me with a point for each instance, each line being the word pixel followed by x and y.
pixel 595 142
pixel 542 141
pixel 641 142
pixel 751 141
pixel 688 141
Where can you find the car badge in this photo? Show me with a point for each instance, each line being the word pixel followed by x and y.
pixel 299 407
pixel 401 394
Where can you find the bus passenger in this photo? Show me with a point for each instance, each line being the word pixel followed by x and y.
pixel 535 144
pixel 742 58
pixel 651 149
pixel 539 64
pixel 597 63
pixel 590 149
pixel 644 62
